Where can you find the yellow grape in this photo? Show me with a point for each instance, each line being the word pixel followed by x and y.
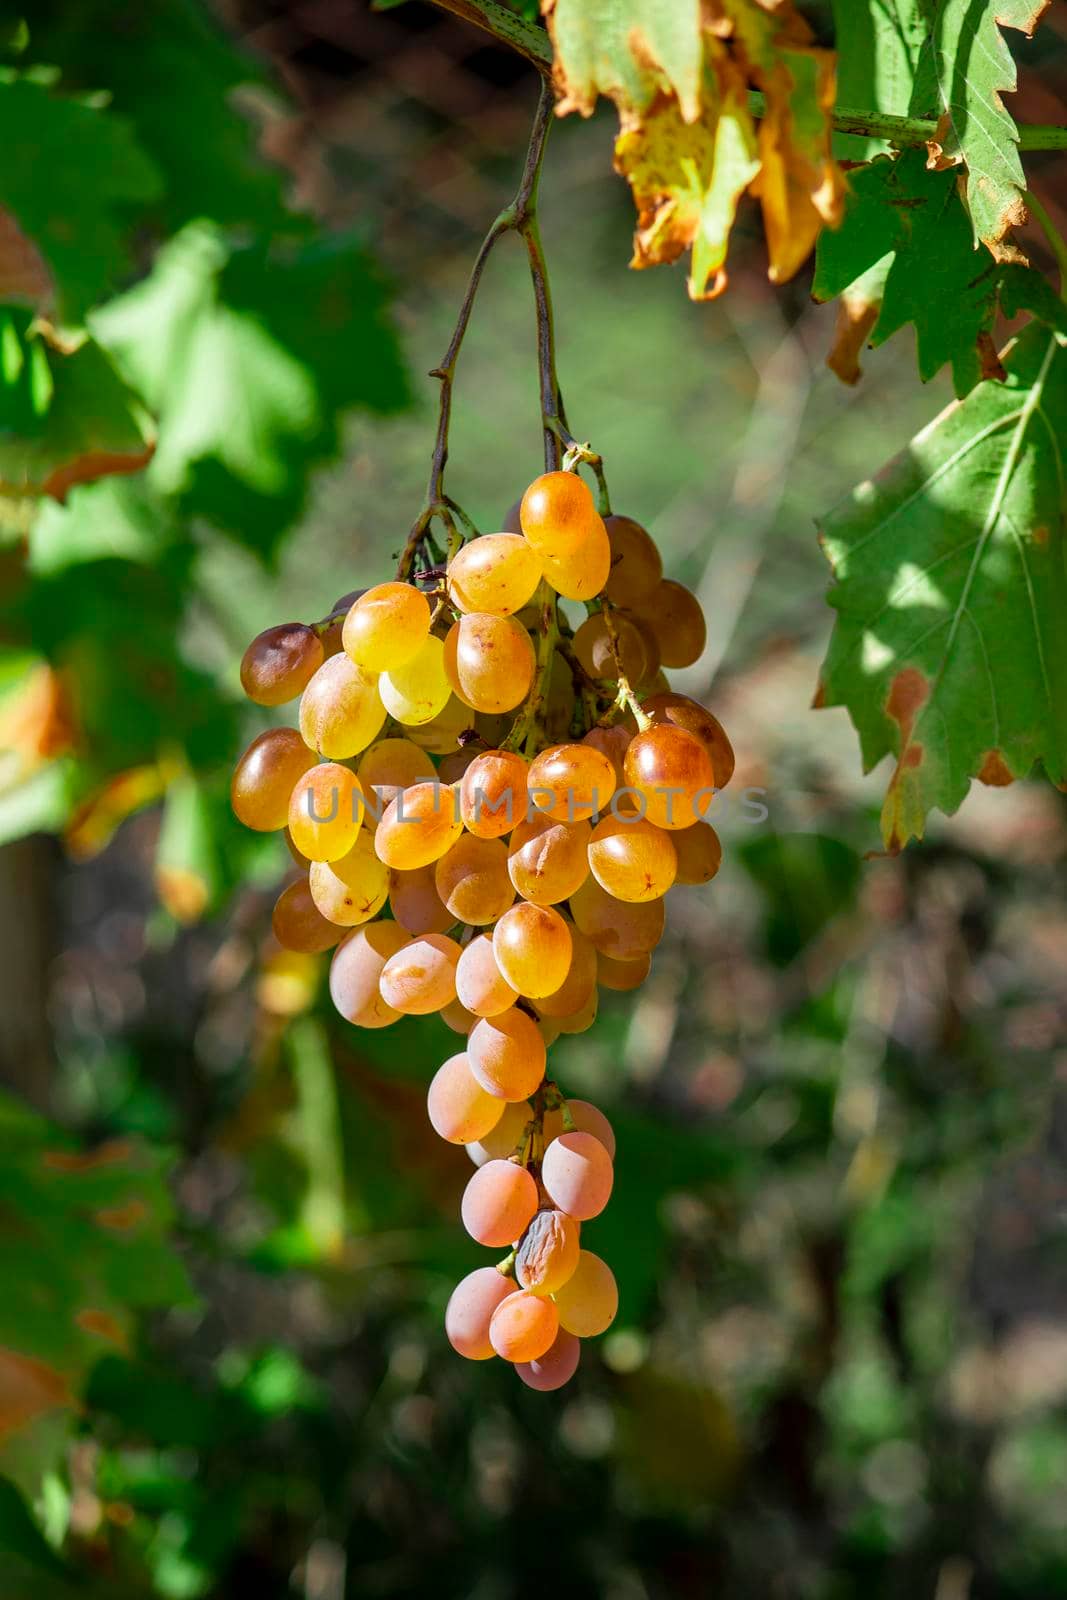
pixel 549 1029
pixel 557 514
pixel 498 1203
pixel 507 1054
pixel 582 1019
pixel 492 794
pixel 569 782
pixel 555 1368
pixel 418 826
pixel 443 734
pixel 682 712
pixel 588 1301
pixel 470 1310
pixel 578 986
pixel 501 1141
pixel 418 691
pixel 341 711
pixel 548 860
pixel 632 859
pixel 390 765
pixel 672 772
pixel 622 975
pixel 265 777
pixel 472 880
pixel 356 969
pixel 480 984
pixel 352 889
pixel 498 573
pixel 298 924
pixel 524 1325
pixel 489 661
pixel 626 931
pixel 586 1118
pixel 415 903
pixel 584 574
pixel 613 743
pixel 421 976
pixel 459 1108
pixel 548 1252
pixel 279 663
pixel 673 613
pixel 386 627
pixel 456 1016
pixel 577 1175
pixel 325 812
pixel 636 564
pixel 595 649
pixel 533 947
pixel 699 853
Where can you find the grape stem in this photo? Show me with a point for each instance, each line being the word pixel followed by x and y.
pixel 518 216
pixel 625 699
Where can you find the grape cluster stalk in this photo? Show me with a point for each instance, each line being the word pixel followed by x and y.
pixel 487 807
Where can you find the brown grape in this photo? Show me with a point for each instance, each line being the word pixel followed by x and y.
pixel 532 945
pixel 569 782
pixel 588 1301
pixel 507 1054
pixel 498 1203
pixel 459 1108
pixel 498 573
pixel 699 853
pixel 555 1368
pixel 470 1310
pixel 492 793
pixel 577 1174
pixel 632 859
pixel 524 1325
pixel 489 661
pixel 356 969
pixel 279 662
pixel 636 564
pixel 548 860
pixel 298 923
pixel 341 711
pixel 671 770
pixel 418 827
pixel 265 777
pixel 547 1253
pixel 625 931
pixel 472 880
pixel 421 976
pixel 480 984
pixel 325 812
pixel 682 712
pixel 674 615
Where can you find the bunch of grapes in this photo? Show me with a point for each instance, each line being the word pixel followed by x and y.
pixel 488 806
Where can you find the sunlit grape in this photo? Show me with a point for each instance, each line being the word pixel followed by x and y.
pixel 588 1301
pixel 498 573
pixel 341 711
pixel 386 627
pixel 419 690
pixel 532 945
pixel 524 1325
pixel 577 1174
pixel 493 793
pixel 472 880
pixel 672 772
pixel 498 1203
pixel 626 931
pixel 418 826
pixel 421 976
pixel 489 661
pixel 325 812
pixel 557 514
pixel 470 1310
pixel 548 860
pixel 352 889
pixel 584 573
pixel 682 712
pixel 579 984
pixel 507 1054
pixel 459 1108
pixel 356 969
pixel 569 782
pixel 699 853
pixel 586 1119
pixel 298 924
pixel 265 777
pixel 279 662
pixel 502 1141
pixel 480 984
pixel 631 858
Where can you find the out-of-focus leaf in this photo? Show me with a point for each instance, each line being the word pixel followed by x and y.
pixel 187 868
pixel 20 1535
pixel 66 417
pixel 72 177
pixel 116 518
pixel 948 650
pixel 246 398
pixel 964 71
pixel 807 879
pixel 92 825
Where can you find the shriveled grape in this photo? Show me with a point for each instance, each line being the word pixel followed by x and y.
pixel 548 1252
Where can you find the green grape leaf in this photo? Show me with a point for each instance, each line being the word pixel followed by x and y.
pixel 248 389
pixel 906 226
pixel 964 70
pixel 630 52
pixel 66 416
pixel 86 1234
pixel 949 651
pixel 878 44
pixel 172 72
pixel 20 1536
pixel 72 177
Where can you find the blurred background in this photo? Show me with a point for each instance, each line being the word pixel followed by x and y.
pixel 840 1218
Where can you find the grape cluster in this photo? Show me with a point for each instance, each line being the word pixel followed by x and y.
pixel 487 807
